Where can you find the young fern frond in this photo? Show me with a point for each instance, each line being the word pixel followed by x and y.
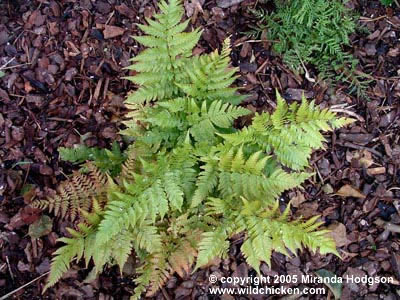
pixel 291 132
pixel 160 65
pixel 215 66
pixel 281 235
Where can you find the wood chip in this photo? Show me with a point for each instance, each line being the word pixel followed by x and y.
pixel 376 171
pixel 111 31
pixel 348 191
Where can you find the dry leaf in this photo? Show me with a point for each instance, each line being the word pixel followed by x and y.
pixel 338 233
pixel 348 191
pixel 366 159
pixel 41 227
pixel 297 200
pixel 307 210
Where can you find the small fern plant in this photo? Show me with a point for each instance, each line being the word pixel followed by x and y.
pixel 316 33
pixel 191 180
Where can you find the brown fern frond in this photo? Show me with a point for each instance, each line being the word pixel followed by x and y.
pixel 182 259
pixel 130 166
pixel 76 194
pixel 164 264
pixel 159 275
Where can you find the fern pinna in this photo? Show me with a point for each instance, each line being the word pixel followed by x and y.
pixel 191 180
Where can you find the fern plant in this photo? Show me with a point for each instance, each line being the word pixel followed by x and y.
pixel 313 32
pixel 191 180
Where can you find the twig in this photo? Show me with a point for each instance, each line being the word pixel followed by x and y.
pixel 3 67
pixel 348 112
pixel 255 41
pixel 9 268
pixel 307 75
pixel 365 19
pixel 359 147
pixel 319 174
pixel 21 287
pixel 394 188
pixel 12 67
pixel 392 227
pixel 109 18
pixel 262 66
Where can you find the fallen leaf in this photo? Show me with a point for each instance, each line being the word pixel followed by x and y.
pixel 370 49
pixel 125 10
pixel 327 188
pixel 70 74
pixel 348 191
pixel 366 159
pixel 297 94
pixel 297 200
pixel 307 210
pixel 357 138
pixel 43 267
pixel 395 260
pixel 338 233
pixel 41 227
pixel 28 191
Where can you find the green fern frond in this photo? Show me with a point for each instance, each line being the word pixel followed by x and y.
pixel 122 248
pixel 104 159
pixel 147 238
pixel 210 78
pixel 206 182
pixel 291 132
pixel 266 234
pixel 63 257
pixel 160 65
pixel 213 244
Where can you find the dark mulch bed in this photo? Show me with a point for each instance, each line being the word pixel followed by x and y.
pixel 63 84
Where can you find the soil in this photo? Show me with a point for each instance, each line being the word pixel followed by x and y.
pixel 64 67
